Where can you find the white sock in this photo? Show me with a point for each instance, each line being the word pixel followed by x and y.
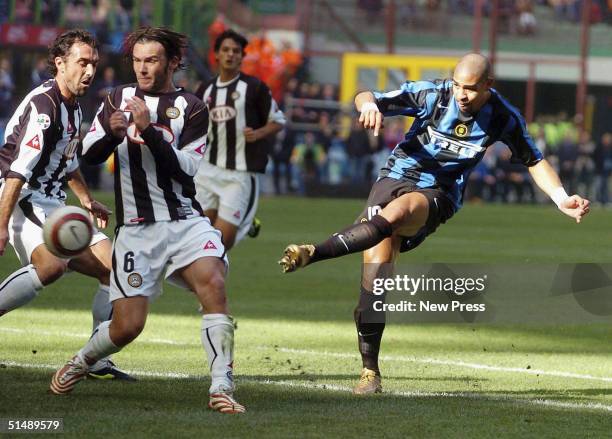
pixel 101 311
pixel 218 342
pixel 99 345
pixel 101 308
pixel 19 288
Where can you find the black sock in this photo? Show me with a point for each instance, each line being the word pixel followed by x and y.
pixel 356 238
pixel 370 326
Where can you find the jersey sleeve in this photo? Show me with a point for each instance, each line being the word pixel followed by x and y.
pixel 267 107
pixel 520 142
pixel 99 143
pixel 414 98
pixel 37 125
pixel 192 143
pixel 183 162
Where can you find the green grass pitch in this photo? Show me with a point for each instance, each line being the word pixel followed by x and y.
pixel 296 353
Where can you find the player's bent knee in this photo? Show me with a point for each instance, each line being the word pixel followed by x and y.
pixel 408 211
pixel 212 293
pixel 50 270
pixel 103 275
pixel 407 204
pixel 215 285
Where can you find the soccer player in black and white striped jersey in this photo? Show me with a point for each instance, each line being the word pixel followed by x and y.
pixel 157 134
pixel 243 121
pixel 37 156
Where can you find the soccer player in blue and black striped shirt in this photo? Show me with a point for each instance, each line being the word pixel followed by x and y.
pixel 423 182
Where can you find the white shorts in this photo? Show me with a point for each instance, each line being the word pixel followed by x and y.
pixel 233 194
pixel 25 225
pixel 143 253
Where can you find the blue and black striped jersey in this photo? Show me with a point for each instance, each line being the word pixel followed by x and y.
pixel 444 145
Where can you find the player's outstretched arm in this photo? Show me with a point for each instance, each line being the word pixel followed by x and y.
pixel 547 179
pixel 10 195
pixel 370 116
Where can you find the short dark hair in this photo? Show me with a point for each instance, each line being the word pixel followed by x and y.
pixel 174 42
pixel 232 34
pixel 62 44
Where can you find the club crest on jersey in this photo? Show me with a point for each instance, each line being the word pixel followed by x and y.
pixel 222 113
pixel 134 135
pixel 235 95
pixel 134 280
pixel 210 245
pixel 173 112
pixel 461 130
pixel 34 142
pixel 460 148
pixel 43 120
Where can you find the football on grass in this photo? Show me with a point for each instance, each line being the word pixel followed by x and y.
pixel 68 231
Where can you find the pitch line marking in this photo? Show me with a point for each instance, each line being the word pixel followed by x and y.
pixel 448 363
pixel 86 336
pixel 345 389
pixel 406 359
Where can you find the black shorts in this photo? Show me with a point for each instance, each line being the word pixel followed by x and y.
pixel 387 189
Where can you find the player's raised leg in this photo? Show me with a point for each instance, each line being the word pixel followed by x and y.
pixel 206 278
pixel 405 216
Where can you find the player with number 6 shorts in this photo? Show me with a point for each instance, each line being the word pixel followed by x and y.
pixel 157 134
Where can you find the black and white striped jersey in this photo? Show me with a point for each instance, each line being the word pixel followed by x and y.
pixel 154 169
pixel 245 101
pixel 41 140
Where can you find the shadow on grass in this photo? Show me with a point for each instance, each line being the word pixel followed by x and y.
pixel 158 407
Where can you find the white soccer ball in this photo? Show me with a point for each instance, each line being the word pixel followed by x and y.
pixel 68 231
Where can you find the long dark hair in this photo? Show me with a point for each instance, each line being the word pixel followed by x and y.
pixel 174 42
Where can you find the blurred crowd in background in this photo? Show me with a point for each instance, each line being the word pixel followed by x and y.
pixel 318 148
pixel 323 150
pixel 515 16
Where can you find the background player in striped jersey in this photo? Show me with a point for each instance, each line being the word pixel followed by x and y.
pixel 157 134
pixel 38 155
pixel 423 181
pixel 243 121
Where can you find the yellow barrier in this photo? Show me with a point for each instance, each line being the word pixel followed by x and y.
pixel 413 67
